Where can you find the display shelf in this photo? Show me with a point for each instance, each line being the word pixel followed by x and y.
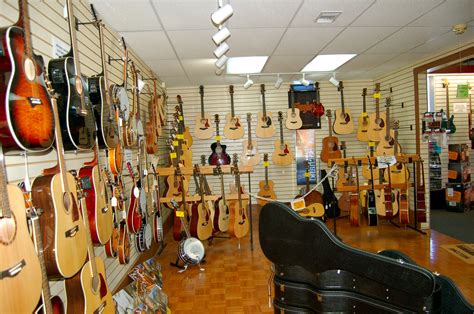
pixel 196 198
pixel 206 170
pixel 353 188
pixel 403 158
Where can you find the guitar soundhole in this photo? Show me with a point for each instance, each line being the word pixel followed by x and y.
pixel 380 122
pixel 29 67
pixel 7 230
pixel 67 201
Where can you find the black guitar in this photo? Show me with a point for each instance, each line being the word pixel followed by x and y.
pixel 330 201
pixel 75 114
pixel 219 156
pixel 371 204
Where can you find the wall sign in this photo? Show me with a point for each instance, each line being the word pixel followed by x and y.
pixel 305 152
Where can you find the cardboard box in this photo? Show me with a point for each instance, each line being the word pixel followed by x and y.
pixel 458 197
pixel 458 152
pixel 459 172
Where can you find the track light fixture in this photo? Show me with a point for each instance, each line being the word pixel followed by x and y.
pixel 221 35
pixel 221 61
pixel 221 50
pixel 222 14
pixel 278 82
pixel 334 81
pixel 304 81
pixel 219 71
pixel 248 83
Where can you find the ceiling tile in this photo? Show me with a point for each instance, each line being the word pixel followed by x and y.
pixel 400 62
pixel 445 41
pixel 306 40
pixel 262 13
pixel 125 17
pixel 394 13
pixel 449 13
pixel 358 39
pixel 185 14
pixel 311 9
pixel 253 42
pixel 174 81
pixel 193 44
pixel 157 45
pixel 365 62
pixel 169 67
pixel 207 80
pixel 286 63
pixel 199 67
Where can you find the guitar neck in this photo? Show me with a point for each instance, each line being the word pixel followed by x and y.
pixel 281 132
pixel 222 187
pixel 377 100
pixel 264 105
pixel 24 22
pixel 104 62
pixel 292 101
pixel 5 210
pixel 90 247
pixel 342 101
pixel 330 126
pixel 202 103
pixel 73 37
pixel 249 130
pixel 266 177
pixel 387 130
pixel 232 112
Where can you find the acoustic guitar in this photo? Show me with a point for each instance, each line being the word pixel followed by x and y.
pixel 238 220
pixel 448 124
pixel 19 263
pixel 293 120
pixel 233 129
pixel 371 202
pixel 203 128
pixel 134 215
pixel 364 124
pixel 250 155
pixel 355 206
pixel 221 216
pixel 158 233
pixel 314 201
pixel 420 196
pixel 387 201
pixel 77 123
pixel 62 226
pixel 153 125
pixel 124 243
pixel 174 186
pixel 403 207
pixel 200 225
pixel 386 146
pixel 188 140
pixel 181 216
pixel 218 156
pixel 178 134
pixel 469 117
pixel 343 122
pixel 345 178
pixel 398 172
pixel 266 186
pixel 377 119
pixel 367 172
pixel 105 118
pixel 282 155
pixel 330 146
pixel 26 115
pixel 265 127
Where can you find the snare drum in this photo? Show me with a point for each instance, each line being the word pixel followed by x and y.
pixel 191 251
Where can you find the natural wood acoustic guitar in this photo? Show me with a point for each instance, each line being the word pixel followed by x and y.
pixel 293 120
pixel 203 128
pixel 314 201
pixel 282 154
pixel 266 186
pixel 238 222
pixel 330 147
pixel 377 120
pixel 233 128
pixel 187 138
pixel 363 120
pixel 250 155
pixel 221 216
pixel 200 225
pixel 343 122
pixel 265 126
pixel 386 146
pixel 398 172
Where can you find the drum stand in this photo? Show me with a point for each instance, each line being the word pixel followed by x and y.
pixel 183 268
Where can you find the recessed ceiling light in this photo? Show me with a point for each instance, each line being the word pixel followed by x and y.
pixel 327 62
pixel 240 65
pixel 327 17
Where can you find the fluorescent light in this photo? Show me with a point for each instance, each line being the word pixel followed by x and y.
pixel 243 65
pixel 327 62
pixel 327 17
pixel 221 35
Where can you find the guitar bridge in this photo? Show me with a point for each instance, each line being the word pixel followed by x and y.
pixel 13 271
pixel 101 308
pixel 72 232
pixel 34 101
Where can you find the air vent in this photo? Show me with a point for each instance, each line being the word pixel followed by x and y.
pixel 327 17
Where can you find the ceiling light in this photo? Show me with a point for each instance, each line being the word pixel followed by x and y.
pixel 248 83
pixel 278 82
pixel 327 17
pixel 304 81
pixel 221 35
pixel 334 81
pixel 220 70
pixel 221 50
pixel 327 62
pixel 243 65
pixel 221 61
pixel 222 14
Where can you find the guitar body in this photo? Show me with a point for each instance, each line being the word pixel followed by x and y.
pixel 77 130
pixel 115 159
pixel 282 156
pixel 366 172
pixel 188 139
pixel 377 127
pixel 186 155
pixel 111 247
pixel 129 133
pixel 380 203
pixel 26 114
pixel 371 208
pixel 343 122
pixel 265 126
pixel 57 306
pixel 330 148
pixel 221 216
pixel 399 174
pixel 354 213
pixel 238 221
pixel 17 249
pixel 250 155
pixel 266 191
pixel 173 188
pixel 123 247
pixel 344 202
pixel 233 129
pixel 293 119
pixel 151 139
pixel 404 212
pixel 98 207
pixel 219 156
pixel 363 128
pixel 134 217
pixel 386 147
pixel 203 127
pixel 96 296
pixel 62 227
pixel 314 205
pixel 200 225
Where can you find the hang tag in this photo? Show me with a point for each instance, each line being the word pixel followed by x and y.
pixel 65 13
pixel 371 144
pixel 173 155
pixel 180 136
pixel 113 201
pixel 128 155
pixel 307 174
pixel 218 137
pixel 376 95
pixel 120 122
pixel 298 204
pixel 175 143
pixel 145 172
pixel 180 213
pixel 266 164
pixel 136 192
pixel 180 118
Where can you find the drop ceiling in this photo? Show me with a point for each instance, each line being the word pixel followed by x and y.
pixel 174 36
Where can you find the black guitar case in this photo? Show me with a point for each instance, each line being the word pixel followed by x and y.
pixel 316 272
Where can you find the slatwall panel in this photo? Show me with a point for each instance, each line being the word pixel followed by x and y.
pixel 47 21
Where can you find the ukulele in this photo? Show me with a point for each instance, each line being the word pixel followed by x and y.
pixel 371 203
pixel 19 263
pixel 330 144
pixel 331 208
pixel 420 197
pixel 314 201
pixel 62 224
pixel 134 217
pixel 129 126
pixel 318 110
pixel 233 129
pixel 377 119
pixel 77 119
pixel 218 156
pixel 282 156
pixel 266 186
pixel 448 124
pixel 238 220
pixel 398 172
pixel 91 280
pixel 265 127
pixel 203 128
pixel 367 171
pixel 25 100
pixel 250 155
pixel 200 225
pixel 355 206
pixel 106 123
pixel 293 120
pixel 343 123
pixel 386 146
pixel 363 120
pixel 221 217
pixel 188 140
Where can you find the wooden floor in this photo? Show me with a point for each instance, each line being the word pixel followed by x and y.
pixel 235 278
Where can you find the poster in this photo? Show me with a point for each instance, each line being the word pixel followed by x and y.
pixel 305 151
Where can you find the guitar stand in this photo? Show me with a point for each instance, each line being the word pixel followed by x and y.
pixel 161 249
pixel 415 209
pixel 250 215
pixel 183 268
pixel 209 241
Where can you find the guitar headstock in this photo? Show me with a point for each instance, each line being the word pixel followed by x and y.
pixel 396 125
pixel 203 160
pixel 216 118
pixel 262 89
pixel 329 113
pixel 364 92
pixel 235 166
pixel 445 83
pixel 280 116
pixel 201 90
pixel 231 89
pixel 388 101
pixel 249 117
pixel 341 86
pixel 265 159
pixel 180 101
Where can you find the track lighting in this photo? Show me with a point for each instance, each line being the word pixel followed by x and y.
pixel 221 50
pixel 304 81
pixel 221 61
pixel 222 14
pixel 334 81
pixel 221 35
pixel 278 82
pixel 248 83
pixel 219 71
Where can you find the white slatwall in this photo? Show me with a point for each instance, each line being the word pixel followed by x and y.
pixel 47 21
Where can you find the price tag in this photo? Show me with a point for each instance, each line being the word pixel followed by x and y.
pixel 136 192
pixel 173 155
pixel 180 213
pixel 307 174
pixel 376 95
pixel 180 118
pixel 386 161
pixel 218 137
pixel 180 136
pixel 364 114
pixel 128 155
pixel 371 144
pixel 175 143
pixel 266 164
pixel 113 201
pixel 145 172
pixel 298 204
pixel 120 121
pixel 124 214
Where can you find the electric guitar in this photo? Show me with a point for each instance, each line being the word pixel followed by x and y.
pixel 282 155
pixel 318 110
pixel 221 216
pixel 371 202
pixel 330 144
pixel 386 146
pixel 377 119
pixel 265 127
pixel 448 124
pixel 314 201
pixel 188 140
pixel 238 220
pixel 266 186
pixel 77 123
pixel 203 128
pixel 26 116
pixel 398 172
pixel 364 122
pixel 420 197
pixel 200 225
pixel 134 216
pixel 355 208
pixel 293 119
pixel 218 156
pixel 233 129
pixel 343 122
pixel 250 155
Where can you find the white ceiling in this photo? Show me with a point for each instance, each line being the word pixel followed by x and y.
pixel 174 36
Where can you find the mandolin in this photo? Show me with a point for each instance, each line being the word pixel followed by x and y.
pixel 123 243
pixel 330 144
pixel 266 186
pixel 343 122
pixel 265 127
pixel 77 123
pixel 221 216
pixel 448 124
pixel 314 201
pixel 386 146
pixel 377 119
pixel 218 156
pixel 238 220
pixel 188 140
pixel 203 128
pixel 282 155
pixel 233 129
pixel 363 120
pixel 420 196
pixel 355 206
pixel 293 120
pixel 26 115
pixel 134 216
pixel 200 225
pixel 99 94
pixel 250 155
pixel 398 172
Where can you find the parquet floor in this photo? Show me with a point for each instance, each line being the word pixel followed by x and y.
pixel 235 279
